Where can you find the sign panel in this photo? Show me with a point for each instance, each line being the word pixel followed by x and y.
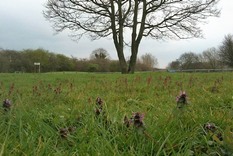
pixel 36 63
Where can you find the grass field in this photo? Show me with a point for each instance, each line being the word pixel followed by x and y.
pixel 57 114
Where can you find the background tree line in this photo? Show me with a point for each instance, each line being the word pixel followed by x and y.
pixel 212 58
pixel 99 61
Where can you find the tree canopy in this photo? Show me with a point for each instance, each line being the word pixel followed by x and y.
pixel 226 50
pixel 157 19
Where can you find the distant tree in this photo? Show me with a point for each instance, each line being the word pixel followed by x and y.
pixel 23 61
pixel 114 66
pixel 93 67
pixel 139 18
pixel 211 58
pixel 64 63
pixel 174 65
pixel 226 50
pixel 30 56
pixel 99 54
pixel 5 61
pixel 100 57
pixel 82 65
pixel 149 60
pixel 189 61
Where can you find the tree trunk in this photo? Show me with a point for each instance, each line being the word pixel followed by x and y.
pixel 121 57
pixel 123 64
pixel 133 58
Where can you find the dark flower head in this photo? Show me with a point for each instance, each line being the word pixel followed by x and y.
pixel 219 136
pixel 65 131
pixel 99 106
pixel 6 104
pixel 181 99
pixel 127 121
pixel 98 111
pixel 210 127
pixel 138 119
pixel 99 101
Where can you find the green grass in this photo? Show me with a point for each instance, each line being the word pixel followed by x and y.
pixel 42 104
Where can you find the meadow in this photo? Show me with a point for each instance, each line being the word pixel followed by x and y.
pixel 94 114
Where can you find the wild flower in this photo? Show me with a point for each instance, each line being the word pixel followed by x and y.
pixel 136 120
pixel 219 136
pixel 99 106
pixel 210 127
pixel 57 90
pixel 167 81
pixel 65 131
pixel 49 87
pixel 149 80
pixel 71 86
pixel 99 101
pixel 6 104
pixel 11 89
pixel 127 121
pixel 181 99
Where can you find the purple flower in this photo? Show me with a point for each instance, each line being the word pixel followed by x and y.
pixel 99 106
pixel 98 111
pixel 138 119
pixel 127 121
pixel 65 131
pixel 6 104
pixel 210 127
pixel 99 101
pixel 181 99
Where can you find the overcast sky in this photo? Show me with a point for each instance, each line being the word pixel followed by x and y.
pixel 22 26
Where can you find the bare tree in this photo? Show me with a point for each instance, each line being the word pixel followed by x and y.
pixel 149 60
pixel 158 19
pixel 174 65
pixel 189 60
pixel 226 50
pixel 211 57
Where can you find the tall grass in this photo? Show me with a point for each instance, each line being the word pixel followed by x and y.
pixel 45 106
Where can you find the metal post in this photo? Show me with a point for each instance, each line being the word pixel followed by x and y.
pixel 37 64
